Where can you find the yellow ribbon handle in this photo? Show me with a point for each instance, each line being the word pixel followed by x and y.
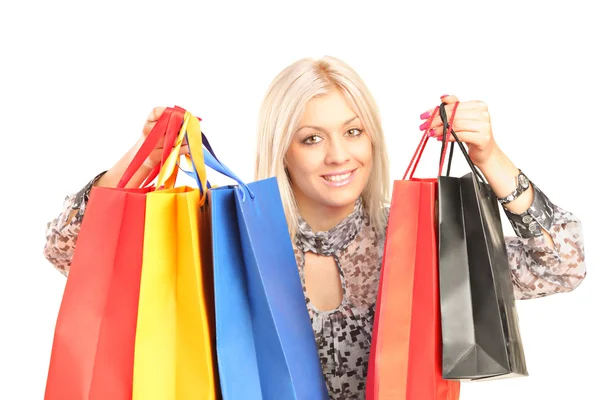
pixel 166 176
pixel 194 137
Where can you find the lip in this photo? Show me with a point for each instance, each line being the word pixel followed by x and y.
pixel 339 183
pixel 348 171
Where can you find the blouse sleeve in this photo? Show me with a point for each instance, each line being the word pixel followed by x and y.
pixel 62 231
pixel 538 269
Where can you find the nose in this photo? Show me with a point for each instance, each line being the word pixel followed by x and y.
pixel 337 152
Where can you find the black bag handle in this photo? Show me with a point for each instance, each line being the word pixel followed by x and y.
pixel 460 144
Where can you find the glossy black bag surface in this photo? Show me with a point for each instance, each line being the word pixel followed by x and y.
pixel 480 329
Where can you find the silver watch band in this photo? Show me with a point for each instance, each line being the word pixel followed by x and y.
pixel 522 185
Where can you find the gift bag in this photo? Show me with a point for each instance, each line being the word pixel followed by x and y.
pixel 480 328
pixel 173 344
pixel 406 353
pixel 93 348
pixel 236 353
pixel 266 348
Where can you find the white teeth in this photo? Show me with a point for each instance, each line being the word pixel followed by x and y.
pixel 337 178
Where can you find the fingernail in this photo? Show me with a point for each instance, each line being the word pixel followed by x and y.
pixel 431 132
pixel 425 115
pixel 444 95
pixel 425 125
pixel 439 138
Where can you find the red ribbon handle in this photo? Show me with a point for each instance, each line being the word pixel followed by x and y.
pixel 420 148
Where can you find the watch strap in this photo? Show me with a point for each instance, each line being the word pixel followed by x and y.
pixel 518 190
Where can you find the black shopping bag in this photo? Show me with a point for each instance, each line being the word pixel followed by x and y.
pixel 480 328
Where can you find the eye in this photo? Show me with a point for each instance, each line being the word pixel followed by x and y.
pixel 354 132
pixel 312 139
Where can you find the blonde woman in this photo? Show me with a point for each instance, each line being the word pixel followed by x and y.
pixel 320 135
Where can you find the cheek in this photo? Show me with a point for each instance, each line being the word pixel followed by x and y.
pixel 363 153
pixel 301 161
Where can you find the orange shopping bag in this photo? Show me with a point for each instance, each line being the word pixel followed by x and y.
pixel 406 350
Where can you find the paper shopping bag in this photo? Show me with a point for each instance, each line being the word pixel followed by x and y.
pixel 480 328
pixel 93 349
pixel 266 348
pixel 406 349
pixel 174 336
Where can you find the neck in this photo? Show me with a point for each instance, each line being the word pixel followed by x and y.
pixel 322 218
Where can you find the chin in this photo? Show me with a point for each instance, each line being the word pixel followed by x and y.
pixel 342 199
pixel 341 203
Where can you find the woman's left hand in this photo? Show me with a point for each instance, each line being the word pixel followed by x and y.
pixel 471 124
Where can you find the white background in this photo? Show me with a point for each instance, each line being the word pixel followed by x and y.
pixel 77 80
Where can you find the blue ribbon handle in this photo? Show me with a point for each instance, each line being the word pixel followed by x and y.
pixel 211 161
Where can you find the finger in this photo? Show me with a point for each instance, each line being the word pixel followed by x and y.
pixel 474 137
pixel 467 105
pixel 148 126
pixel 470 138
pixel 465 125
pixel 156 113
pixel 449 99
pixel 461 115
pixel 185 149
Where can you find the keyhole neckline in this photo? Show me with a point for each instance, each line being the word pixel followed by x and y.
pixel 333 241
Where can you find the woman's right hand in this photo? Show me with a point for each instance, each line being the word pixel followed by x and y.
pixel 155 156
pixel 112 177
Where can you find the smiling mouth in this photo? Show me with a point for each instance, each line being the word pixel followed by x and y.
pixel 338 179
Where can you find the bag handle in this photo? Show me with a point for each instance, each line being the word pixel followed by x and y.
pixel 211 161
pixel 448 127
pixel 446 124
pixel 190 130
pixel 412 166
pixel 171 134
pixel 214 163
pixel 172 120
pixel 149 144
pixel 198 159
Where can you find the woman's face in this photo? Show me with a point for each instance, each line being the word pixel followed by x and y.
pixel 330 158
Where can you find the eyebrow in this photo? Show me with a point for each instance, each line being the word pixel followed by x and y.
pixel 319 128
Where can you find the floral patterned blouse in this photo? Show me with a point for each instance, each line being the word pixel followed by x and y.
pixel 343 334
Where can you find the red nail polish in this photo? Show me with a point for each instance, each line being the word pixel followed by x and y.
pixel 444 95
pixel 431 132
pixel 425 115
pixel 425 125
pixel 439 138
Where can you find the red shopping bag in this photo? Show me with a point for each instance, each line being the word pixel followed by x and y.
pixel 93 348
pixel 406 350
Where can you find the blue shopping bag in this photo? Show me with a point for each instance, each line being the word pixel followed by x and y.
pixel 266 348
pixel 236 353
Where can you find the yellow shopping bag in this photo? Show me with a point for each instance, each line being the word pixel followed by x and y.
pixel 173 345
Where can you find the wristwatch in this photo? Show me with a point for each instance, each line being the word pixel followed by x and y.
pixel 522 185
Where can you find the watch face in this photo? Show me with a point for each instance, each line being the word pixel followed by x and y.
pixel 523 181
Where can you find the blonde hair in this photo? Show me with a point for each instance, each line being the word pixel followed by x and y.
pixel 280 115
